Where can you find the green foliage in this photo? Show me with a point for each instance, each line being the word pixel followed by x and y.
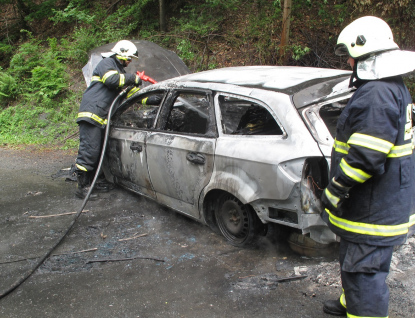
pixel 229 4
pixel 76 46
pixel 33 124
pixel 76 11
pixel 298 51
pixel 37 101
pixel 37 79
pixel 38 70
pixel 6 51
pixel 8 88
pixel 40 10
pixel 195 28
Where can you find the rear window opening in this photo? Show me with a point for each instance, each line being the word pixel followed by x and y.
pixel 330 114
pixel 245 117
pixel 322 119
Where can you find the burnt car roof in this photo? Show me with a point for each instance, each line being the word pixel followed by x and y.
pixel 275 78
pixel 306 84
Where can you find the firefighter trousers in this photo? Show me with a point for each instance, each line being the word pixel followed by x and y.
pixel 91 139
pixel 364 269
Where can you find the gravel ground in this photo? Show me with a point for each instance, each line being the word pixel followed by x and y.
pixel 130 257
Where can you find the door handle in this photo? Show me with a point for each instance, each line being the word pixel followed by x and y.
pixel 136 147
pixel 196 158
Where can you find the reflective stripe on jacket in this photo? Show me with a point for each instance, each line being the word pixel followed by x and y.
pixel 373 154
pixel 108 78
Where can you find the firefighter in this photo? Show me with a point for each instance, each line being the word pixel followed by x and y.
pixel 108 79
pixel 371 192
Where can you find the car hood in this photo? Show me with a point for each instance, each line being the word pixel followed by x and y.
pixel 158 63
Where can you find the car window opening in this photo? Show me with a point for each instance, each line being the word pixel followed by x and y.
pixel 244 117
pixel 189 114
pixel 140 114
pixel 330 114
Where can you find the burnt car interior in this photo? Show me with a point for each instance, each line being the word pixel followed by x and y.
pixel 244 117
pixel 139 113
pixel 189 114
pixel 330 114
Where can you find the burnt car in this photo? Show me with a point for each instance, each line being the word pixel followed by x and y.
pixel 234 148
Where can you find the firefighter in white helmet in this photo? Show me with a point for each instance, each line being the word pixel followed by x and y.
pixel 108 79
pixel 370 200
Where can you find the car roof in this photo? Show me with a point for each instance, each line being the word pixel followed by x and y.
pixel 286 79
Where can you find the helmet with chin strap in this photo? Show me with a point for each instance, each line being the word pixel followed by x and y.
pixel 125 50
pixel 365 36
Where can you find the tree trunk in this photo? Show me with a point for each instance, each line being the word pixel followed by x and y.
pixel 162 15
pixel 285 34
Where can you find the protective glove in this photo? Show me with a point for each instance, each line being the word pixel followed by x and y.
pixel 334 195
pixel 137 81
pixel 145 77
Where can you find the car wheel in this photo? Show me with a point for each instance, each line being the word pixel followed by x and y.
pixel 236 221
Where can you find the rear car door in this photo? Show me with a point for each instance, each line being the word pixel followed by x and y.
pixel 180 153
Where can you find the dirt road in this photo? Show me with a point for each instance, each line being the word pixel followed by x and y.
pixel 129 257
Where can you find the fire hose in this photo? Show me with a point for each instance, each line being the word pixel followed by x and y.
pixel 26 275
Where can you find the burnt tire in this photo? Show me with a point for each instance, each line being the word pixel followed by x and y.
pixel 236 221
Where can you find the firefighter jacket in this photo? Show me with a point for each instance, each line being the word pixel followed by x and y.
pixel 373 154
pixel 108 78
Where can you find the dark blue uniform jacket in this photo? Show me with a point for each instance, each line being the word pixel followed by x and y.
pixel 373 154
pixel 108 78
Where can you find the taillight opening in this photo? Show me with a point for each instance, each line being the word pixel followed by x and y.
pixel 314 181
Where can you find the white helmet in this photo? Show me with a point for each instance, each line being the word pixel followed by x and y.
pixel 364 36
pixel 125 50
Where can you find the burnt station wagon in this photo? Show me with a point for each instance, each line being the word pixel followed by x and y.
pixel 234 148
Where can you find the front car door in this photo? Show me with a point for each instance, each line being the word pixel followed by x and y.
pixel 126 152
pixel 180 153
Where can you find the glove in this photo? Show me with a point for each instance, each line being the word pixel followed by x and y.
pixel 145 77
pixel 137 81
pixel 334 195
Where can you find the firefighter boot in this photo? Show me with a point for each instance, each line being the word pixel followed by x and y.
pixel 334 307
pixel 102 185
pixel 84 185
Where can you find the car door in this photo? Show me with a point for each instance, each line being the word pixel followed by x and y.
pixel 180 153
pixel 127 159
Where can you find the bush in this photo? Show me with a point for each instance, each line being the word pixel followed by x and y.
pixel 8 88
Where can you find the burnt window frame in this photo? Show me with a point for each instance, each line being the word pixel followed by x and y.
pixel 168 103
pixel 253 100
pixel 129 102
pixel 314 110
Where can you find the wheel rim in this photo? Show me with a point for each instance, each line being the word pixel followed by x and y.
pixel 233 220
